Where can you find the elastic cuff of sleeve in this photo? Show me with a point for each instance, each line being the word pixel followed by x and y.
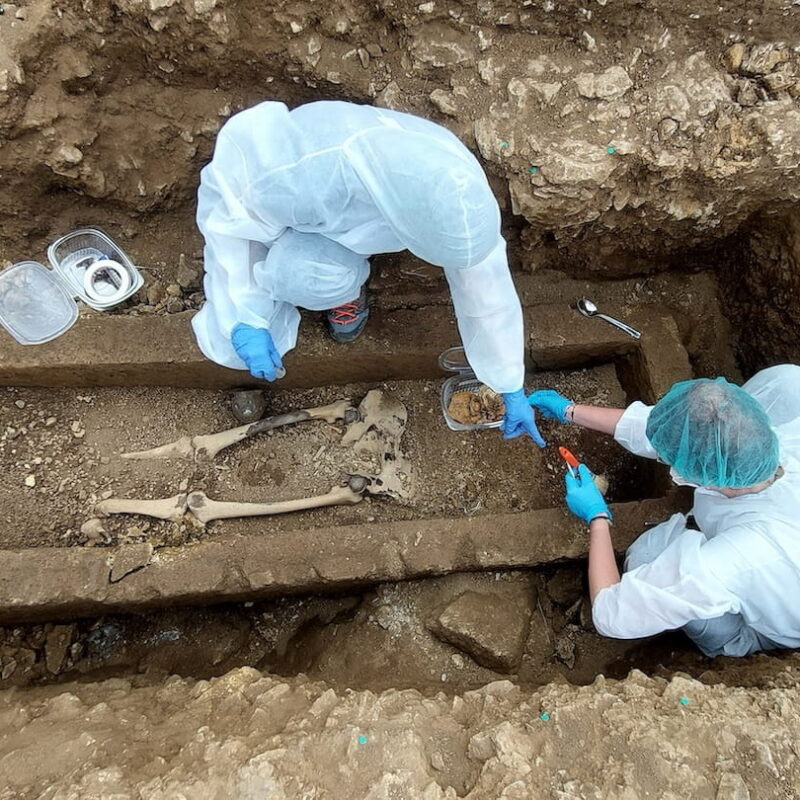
pixel 606 515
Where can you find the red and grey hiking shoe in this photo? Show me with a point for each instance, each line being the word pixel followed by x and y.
pixel 346 322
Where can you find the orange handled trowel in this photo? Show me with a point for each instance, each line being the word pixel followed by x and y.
pixel 572 462
pixel 600 481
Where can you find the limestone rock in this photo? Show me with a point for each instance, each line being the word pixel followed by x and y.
pixel 129 559
pixel 444 102
pixel 188 277
pixel 732 787
pixel 746 95
pixel 612 83
pixel 762 59
pixel 56 646
pixel 156 292
pixel 489 628
pixel 734 56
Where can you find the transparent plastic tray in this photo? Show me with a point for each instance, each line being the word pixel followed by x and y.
pixel 35 307
pixel 72 254
pixel 454 360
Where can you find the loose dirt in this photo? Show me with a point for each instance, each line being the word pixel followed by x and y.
pixel 65 446
pixel 472 408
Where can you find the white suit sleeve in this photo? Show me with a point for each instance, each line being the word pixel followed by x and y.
pixel 489 318
pixel 235 241
pixel 674 588
pixel 631 430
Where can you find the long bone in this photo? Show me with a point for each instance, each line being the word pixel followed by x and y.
pixel 204 509
pixel 207 446
pixel 170 508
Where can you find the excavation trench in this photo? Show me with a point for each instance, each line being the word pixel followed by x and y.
pixel 316 592
pixel 353 595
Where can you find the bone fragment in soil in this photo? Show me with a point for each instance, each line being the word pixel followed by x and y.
pixel 378 431
pixel 209 445
pixel 170 508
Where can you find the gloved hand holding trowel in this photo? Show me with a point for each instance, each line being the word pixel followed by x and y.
pixel 585 500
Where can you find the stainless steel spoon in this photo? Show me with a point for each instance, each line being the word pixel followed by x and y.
pixel 589 309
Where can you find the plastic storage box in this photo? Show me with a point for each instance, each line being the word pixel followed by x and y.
pixel 455 360
pixel 38 304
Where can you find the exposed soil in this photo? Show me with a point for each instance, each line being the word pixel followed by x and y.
pixel 622 139
pixel 376 640
pixel 65 446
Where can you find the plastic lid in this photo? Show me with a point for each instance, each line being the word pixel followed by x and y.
pixel 454 359
pixel 35 306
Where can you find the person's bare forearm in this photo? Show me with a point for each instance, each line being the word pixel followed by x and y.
pixel 603 571
pixel 595 418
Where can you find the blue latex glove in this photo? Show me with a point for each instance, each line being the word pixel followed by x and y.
pixel 550 404
pixel 583 497
pixel 519 418
pixel 256 348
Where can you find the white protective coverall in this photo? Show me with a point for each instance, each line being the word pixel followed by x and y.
pixel 734 584
pixel 293 202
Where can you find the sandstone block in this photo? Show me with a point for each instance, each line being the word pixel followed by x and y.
pixel 489 628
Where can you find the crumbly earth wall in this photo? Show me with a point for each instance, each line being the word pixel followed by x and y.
pixel 625 132
pixel 245 735
pixel 763 291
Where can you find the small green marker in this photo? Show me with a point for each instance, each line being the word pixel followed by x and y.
pixel 611 150
pixel 544 716
pixel 503 144
pixel 534 170
pixel 362 739
pixel 684 701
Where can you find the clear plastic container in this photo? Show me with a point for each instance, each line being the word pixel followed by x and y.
pixel 73 254
pixel 37 304
pixel 455 360
pixel 35 307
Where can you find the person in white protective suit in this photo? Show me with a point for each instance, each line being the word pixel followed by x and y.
pixel 729 575
pixel 292 204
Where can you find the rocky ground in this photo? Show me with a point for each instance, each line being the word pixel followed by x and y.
pixel 671 124
pixel 251 735
pixel 66 445
pixel 622 139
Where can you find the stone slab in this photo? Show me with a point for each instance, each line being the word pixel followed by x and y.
pixel 63 583
pixel 161 351
pixel 489 628
pixel 559 337
pixel 398 344
pixel 661 359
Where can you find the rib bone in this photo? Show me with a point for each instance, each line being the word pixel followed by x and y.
pixel 170 508
pixel 207 446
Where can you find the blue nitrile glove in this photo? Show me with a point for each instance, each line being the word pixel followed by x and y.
pixel 519 418
pixel 256 348
pixel 583 497
pixel 550 404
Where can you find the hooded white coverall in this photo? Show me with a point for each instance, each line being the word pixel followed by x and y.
pixel 293 202
pixel 733 586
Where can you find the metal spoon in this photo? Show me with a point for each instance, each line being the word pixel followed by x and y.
pixel 589 309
